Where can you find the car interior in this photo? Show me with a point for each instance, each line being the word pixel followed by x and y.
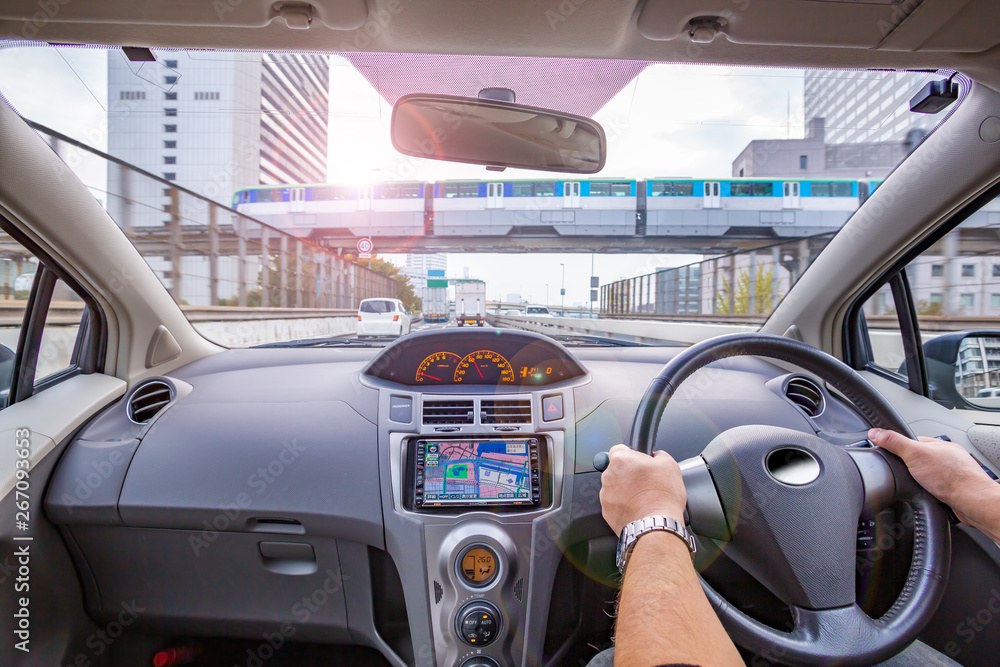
pixel 194 504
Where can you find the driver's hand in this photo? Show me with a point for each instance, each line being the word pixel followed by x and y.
pixel 635 486
pixel 944 468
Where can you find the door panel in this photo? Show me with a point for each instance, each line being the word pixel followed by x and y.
pixel 494 195
pixel 713 198
pixel 571 195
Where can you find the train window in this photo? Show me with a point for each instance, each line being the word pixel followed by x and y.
pixel 269 195
pixel 460 190
pixel 332 192
pixel 674 189
pixel 618 189
pixel 741 189
pixel 831 189
pixel 401 191
pixel 537 189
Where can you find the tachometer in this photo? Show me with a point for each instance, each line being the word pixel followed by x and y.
pixel 438 367
pixel 484 367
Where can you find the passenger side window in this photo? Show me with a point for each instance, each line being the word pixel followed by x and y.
pixel 43 323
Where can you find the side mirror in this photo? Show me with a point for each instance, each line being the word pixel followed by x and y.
pixel 963 369
pixel 496 134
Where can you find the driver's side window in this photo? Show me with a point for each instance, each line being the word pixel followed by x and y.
pixel 952 290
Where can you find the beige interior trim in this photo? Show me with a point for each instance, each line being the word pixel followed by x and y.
pixel 50 416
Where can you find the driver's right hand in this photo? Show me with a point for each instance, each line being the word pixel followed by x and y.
pixel 950 474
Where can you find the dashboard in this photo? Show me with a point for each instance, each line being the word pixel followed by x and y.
pixel 482 358
pixel 440 491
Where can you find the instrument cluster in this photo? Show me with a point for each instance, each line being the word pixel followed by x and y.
pixel 494 358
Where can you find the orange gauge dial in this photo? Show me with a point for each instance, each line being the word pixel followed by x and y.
pixel 438 367
pixel 484 367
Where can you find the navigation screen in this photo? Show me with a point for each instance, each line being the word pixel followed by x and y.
pixel 493 472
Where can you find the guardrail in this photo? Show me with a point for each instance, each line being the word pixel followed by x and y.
pixel 639 331
pixel 693 328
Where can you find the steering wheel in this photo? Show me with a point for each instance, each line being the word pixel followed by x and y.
pixel 785 505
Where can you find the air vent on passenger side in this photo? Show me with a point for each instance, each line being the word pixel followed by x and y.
pixel 806 394
pixel 148 399
pixel 448 412
pixel 517 411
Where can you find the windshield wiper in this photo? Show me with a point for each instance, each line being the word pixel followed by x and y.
pixel 582 340
pixel 374 341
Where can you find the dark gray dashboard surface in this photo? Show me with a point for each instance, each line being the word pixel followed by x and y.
pixel 266 477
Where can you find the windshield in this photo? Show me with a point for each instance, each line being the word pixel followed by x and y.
pixel 267 185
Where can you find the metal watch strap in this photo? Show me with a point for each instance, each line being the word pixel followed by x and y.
pixel 634 530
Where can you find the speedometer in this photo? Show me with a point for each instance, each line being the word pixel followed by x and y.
pixel 484 367
pixel 438 367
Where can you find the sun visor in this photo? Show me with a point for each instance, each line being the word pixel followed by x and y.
pixel 334 14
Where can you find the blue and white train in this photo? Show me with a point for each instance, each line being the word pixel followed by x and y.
pixel 596 207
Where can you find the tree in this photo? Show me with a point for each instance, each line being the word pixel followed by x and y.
pixel 404 290
pixel 763 291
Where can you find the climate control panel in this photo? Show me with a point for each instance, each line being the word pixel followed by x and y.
pixel 478 623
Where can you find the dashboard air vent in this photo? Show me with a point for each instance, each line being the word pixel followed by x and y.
pixel 448 412
pixel 805 393
pixel 148 399
pixel 506 412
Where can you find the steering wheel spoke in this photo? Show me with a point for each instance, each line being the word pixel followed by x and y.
pixel 704 512
pixel 877 477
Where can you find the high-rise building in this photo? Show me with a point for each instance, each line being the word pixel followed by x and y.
pixel 419 266
pixel 214 125
pixel 295 103
pixel 863 107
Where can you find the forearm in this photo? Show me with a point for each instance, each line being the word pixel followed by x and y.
pixel 981 509
pixel 663 614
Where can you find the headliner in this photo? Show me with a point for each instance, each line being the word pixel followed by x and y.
pixel 913 34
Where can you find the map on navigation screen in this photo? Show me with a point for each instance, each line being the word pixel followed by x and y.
pixel 498 471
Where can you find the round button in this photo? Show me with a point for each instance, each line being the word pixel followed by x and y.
pixel 478 623
pixel 478 565
pixel 480 661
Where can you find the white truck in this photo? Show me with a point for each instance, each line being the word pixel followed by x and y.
pixel 470 302
pixel 435 304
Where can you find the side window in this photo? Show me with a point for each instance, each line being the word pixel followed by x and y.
pixel 953 288
pixel 63 320
pixel 43 323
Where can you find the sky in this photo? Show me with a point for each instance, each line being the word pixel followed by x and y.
pixel 669 121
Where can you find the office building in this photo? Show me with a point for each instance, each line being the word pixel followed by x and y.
pixel 213 123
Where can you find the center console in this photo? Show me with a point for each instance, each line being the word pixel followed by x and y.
pixel 475 439
pixel 476 496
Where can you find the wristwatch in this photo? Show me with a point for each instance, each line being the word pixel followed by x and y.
pixel 633 531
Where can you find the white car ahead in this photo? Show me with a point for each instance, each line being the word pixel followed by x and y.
pixel 382 317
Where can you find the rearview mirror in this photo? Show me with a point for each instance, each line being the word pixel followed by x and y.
pixel 495 133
